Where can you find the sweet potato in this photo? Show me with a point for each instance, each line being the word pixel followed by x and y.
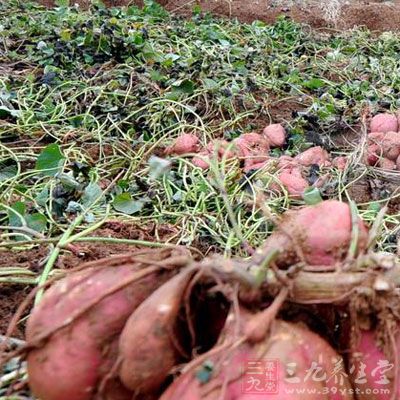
pixel 75 327
pixel 373 154
pixel 314 155
pixel 340 163
pixel 367 359
pixel 221 148
pixel 398 163
pixel 203 161
pixel 295 350
pixel 252 148
pixel 387 144
pixel 293 183
pixel 184 144
pixel 149 344
pixel 275 135
pixel 250 166
pixel 385 163
pixel 384 122
pixel 322 232
pixel 217 148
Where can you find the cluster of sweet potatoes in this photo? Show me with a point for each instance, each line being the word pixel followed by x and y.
pixel 383 146
pixel 253 152
pixel 159 325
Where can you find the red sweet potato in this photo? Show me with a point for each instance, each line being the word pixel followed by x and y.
pixel 314 155
pixel 285 162
pixel 398 163
pixel 184 144
pixel 221 148
pixel 293 350
pixel 203 161
pixel 293 183
pixel 217 148
pixel 323 232
pixel 373 154
pixel 149 344
pixel 370 377
pixel 384 122
pixel 387 144
pixel 385 163
pixel 275 134
pixel 252 148
pixel 340 163
pixel 72 361
pixel 249 165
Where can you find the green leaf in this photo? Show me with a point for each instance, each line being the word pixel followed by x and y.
pixel 314 83
pixel 13 218
pixel 123 184
pixel 185 86
pixel 92 193
pixel 50 160
pixel 196 10
pixel 210 84
pixel 73 207
pixel 312 196
pixel 68 181
pixel 8 172
pixel 65 35
pixel 158 167
pixel 42 197
pixel 8 112
pixel 375 207
pixel 156 76
pixel 37 222
pixel 125 204
pixel 62 3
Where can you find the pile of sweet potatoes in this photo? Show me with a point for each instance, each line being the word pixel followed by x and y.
pixel 252 151
pixel 161 325
pixel 384 142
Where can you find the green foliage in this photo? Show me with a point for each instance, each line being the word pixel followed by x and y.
pixel 124 203
pixel 89 96
pixel 50 160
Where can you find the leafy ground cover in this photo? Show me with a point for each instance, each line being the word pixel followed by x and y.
pixel 90 99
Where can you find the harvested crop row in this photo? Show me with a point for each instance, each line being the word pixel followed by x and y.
pixel 185 331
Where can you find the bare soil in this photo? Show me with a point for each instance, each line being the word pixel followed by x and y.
pixel 376 15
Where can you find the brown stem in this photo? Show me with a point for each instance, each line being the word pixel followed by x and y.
pixel 256 329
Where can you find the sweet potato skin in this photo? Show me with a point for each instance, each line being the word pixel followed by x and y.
pixel 369 354
pixel 184 144
pixel 314 155
pixel 146 347
pixel 340 163
pixel 275 134
pixel 252 148
pixel 384 122
pixel 71 363
pixel 322 231
pixel 287 343
pixel 294 184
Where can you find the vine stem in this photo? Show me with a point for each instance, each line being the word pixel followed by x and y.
pixel 54 255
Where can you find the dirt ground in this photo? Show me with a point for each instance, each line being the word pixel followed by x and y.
pixel 340 14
